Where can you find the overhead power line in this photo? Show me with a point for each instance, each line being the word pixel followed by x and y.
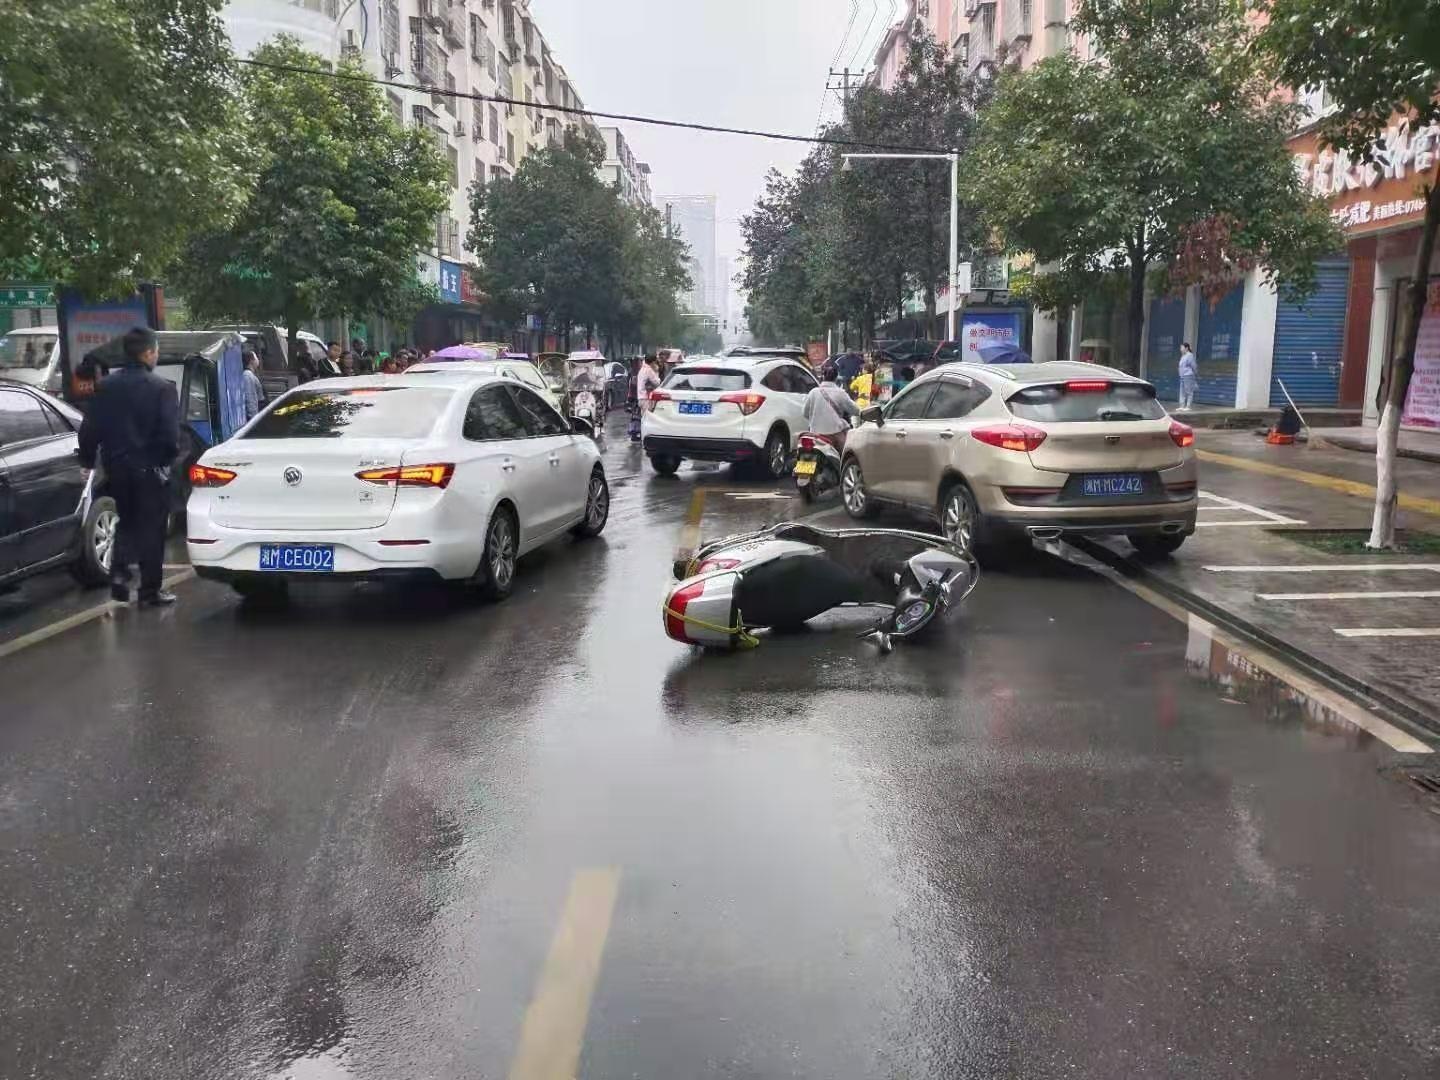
pixel 629 118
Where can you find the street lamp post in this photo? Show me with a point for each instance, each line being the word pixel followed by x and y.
pixel 954 158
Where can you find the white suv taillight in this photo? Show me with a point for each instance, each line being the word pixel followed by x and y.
pixel 749 401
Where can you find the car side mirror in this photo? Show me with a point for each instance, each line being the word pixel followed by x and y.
pixel 875 414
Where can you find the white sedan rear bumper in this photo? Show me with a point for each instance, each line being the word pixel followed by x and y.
pixel 393 550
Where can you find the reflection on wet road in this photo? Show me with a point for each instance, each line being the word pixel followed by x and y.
pixel 1069 839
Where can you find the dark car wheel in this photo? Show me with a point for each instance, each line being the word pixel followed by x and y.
pixel 97 543
pixel 960 519
pixel 1152 546
pixel 777 454
pixel 597 507
pixel 497 566
pixel 665 464
pixel 852 490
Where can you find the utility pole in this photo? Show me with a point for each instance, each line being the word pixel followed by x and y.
pixel 844 82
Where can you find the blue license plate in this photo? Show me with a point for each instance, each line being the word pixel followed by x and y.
pixel 1112 484
pixel 695 408
pixel 298 558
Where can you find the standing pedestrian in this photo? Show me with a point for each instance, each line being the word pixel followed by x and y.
pixel 133 429
pixel 330 366
pixel 863 387
pixel 1189 378
pixel 850 365
pixel 254 392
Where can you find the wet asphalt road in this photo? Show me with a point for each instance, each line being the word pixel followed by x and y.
pixel 1070 839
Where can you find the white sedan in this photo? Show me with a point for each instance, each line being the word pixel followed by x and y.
pixel 393 476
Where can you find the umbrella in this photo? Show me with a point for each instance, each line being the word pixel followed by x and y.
pixel 463 352
pixel 1003 352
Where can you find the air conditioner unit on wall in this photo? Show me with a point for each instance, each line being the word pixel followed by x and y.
pixel 392 65
pixel 460 128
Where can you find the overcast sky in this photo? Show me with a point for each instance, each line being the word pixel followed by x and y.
pixel 740 63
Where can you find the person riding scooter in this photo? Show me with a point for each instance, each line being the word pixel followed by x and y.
pixel 828 409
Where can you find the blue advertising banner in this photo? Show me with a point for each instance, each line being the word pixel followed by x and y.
pixel 982 328
pixel 84 326
pixel 450 281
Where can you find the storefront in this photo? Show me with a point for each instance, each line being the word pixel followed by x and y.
pixel 1380 209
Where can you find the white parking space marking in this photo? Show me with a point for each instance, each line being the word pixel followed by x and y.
pixel 1224 505
pixel 1321 568
pixel 1390 631
pixel 1391 595
pixel 80 618
pixel 759 496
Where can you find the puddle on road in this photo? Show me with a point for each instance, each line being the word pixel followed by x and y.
pixel 1242 681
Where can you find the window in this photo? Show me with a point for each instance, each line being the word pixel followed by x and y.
pixel 494 125
pixel 492 414
pixel 801 381
pixel 21 418
pixel 454 166
pixel 1059 404
pixel 510 148
pixel 197 397
pixel 58 424
pixel 397 108
pixel 480 173
pixel 399 412
pixel 910 405
pixel 954 399
pixel 540 418
pixel 26 351
pixel 712 379
pixel 528 374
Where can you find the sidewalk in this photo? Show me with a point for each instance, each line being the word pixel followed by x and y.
pixel 1366 623
pixel 1420 445
pixel 1225 418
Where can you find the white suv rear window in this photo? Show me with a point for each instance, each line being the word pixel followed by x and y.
pixel 707 378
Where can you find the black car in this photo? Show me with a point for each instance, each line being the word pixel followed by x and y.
pixel 48 516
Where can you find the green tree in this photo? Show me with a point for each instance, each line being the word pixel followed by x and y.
pixel 117 137
pixel 832 244
pixel 1115 167
pixel 1376 59
pixel 652 276
pixel 343 197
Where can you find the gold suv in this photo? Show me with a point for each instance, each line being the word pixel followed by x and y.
pixel 992 451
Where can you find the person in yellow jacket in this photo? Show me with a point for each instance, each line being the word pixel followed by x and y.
pixel 864 387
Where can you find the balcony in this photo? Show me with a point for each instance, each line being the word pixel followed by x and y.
pixel 453 25
pixel 972 7
pixel 328 8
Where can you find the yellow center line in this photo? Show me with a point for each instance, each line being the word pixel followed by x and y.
pixel 554 1028
pixel 80 618
pixel 1320 480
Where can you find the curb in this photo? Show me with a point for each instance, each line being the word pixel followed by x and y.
pixel 1398 709
pixel 1345 442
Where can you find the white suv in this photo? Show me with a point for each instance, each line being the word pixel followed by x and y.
pixel 736 408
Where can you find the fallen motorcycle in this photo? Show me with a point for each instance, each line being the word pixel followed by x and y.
pixel 784 575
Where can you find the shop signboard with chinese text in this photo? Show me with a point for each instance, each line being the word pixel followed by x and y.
pixel 1370 196
pixel 984 328
pixel 450 275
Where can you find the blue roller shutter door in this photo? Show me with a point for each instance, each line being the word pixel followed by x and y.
pixel 1217 347
pixel 1166 334
pixel 1310 340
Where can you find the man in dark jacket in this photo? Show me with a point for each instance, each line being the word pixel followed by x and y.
pixel 133 429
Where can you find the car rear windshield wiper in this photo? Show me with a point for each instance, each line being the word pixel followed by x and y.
pixel 1119 414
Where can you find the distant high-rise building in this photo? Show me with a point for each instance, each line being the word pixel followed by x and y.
pixel 692 219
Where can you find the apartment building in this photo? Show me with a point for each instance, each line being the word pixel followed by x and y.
pixel 629 176
pixel 490 47
pixel 983 33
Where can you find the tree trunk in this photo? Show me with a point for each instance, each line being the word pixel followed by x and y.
pixel 1135 330
pixel 930 311
pixel 1395 381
